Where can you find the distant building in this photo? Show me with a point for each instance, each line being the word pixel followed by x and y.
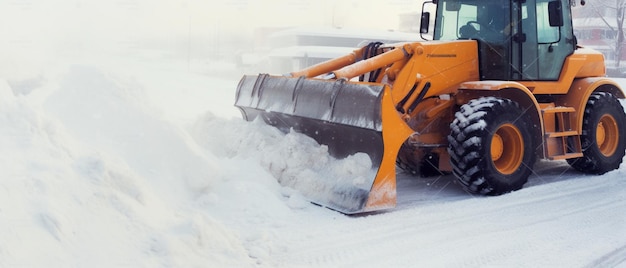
pixel 281 51
pixel 591 27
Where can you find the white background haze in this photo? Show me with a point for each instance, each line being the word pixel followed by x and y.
pixel 120 147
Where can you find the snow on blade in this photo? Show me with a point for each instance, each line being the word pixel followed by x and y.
pixel 295 160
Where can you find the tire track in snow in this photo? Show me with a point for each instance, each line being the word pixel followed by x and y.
pixel 346 250
pixel 612 259
pixel 531 218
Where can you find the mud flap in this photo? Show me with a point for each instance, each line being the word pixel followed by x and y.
pixel 347 117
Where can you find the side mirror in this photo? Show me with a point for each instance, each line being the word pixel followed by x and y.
pixel 555 12
pixel 425 22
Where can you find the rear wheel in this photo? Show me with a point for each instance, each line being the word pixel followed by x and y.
pixel 604 135
pixel 491 146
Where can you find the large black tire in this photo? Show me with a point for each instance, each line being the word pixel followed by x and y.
pixel 603 135
pixel 491 146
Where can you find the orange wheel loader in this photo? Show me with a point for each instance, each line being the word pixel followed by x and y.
pixel 502 84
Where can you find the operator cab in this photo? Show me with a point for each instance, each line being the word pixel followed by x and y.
pixel 517 40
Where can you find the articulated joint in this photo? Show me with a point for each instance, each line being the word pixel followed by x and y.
pixel 407 50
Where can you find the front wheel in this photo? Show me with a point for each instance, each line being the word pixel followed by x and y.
pixel 604 135
pixel 491 146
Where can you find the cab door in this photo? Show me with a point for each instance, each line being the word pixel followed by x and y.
pixel 543 40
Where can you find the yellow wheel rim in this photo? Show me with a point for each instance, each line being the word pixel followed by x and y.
pixel 507 149
pixel 607 135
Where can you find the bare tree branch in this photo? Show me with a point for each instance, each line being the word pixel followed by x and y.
pixel 601 16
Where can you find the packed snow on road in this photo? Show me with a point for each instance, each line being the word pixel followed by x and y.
pixel 141 160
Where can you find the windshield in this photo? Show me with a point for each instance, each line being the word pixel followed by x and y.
pixel 473 19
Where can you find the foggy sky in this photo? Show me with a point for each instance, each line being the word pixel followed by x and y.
pixel 33 30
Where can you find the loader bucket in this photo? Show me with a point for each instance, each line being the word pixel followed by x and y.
pixel 348 117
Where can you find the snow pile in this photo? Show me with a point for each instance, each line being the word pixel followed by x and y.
pixel 295 160
pixel 94 161
pixel 90 176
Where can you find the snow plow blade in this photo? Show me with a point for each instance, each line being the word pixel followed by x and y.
pixel 349 118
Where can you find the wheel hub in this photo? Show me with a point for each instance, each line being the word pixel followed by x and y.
pixel 497 147
pixel 507 149
pixel 607 135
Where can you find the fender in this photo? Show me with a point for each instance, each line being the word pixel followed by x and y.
pixel 506 89
pixel 580 91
